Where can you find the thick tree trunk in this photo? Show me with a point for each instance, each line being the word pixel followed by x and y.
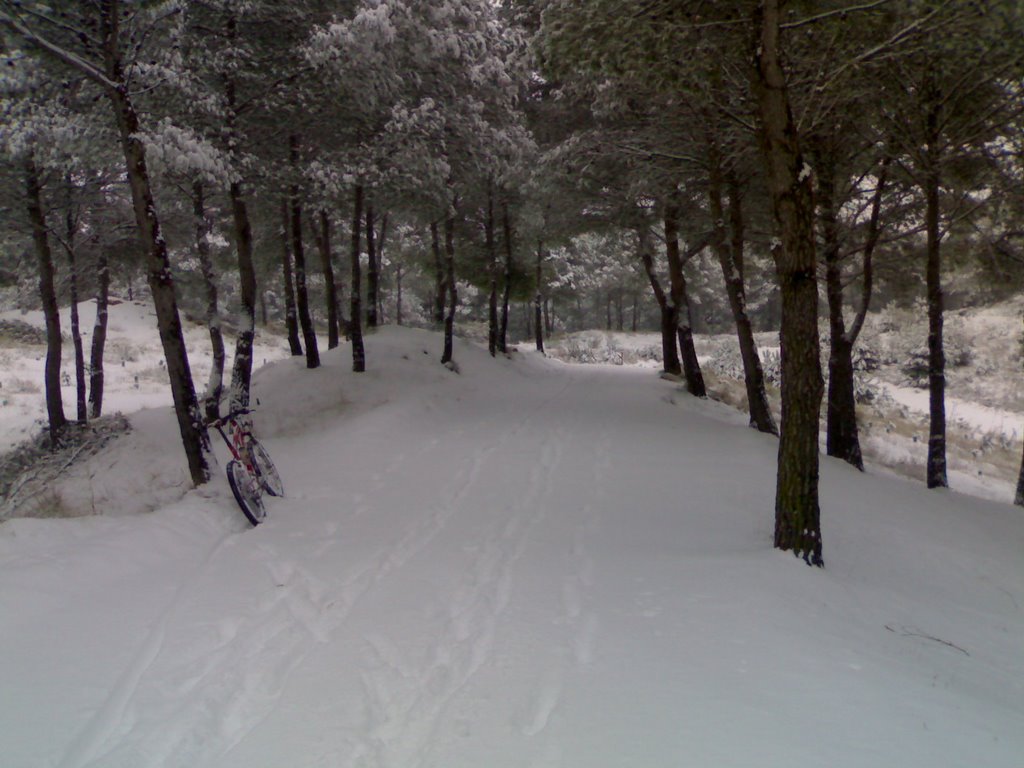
pixel 355 327
pixel 323 242
pixel 215 385
pixel 291 315
pixel 506 226
pixel 301 294
pixel 730 258
pixel 797 514
pixel 161 284
pixel 538 327
pixel 372 270
pixel 99 337
pixel 439 284
pixel 241 371
pixel 680 304
pixel 48 295
pixel 70 235
pixel 453 296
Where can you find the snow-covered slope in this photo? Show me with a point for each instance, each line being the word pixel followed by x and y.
pixel 134 365
pixel 524 564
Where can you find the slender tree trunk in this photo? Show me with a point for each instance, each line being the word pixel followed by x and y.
pixel 797 513
pixel 372 270
pixel 71 232
pixel 936 468
pixel 291 315
pixel 453 296
pixel 301 294
pixel 538 327
pixel 48 295
pixel 439 284
pixel 241 371
pixel 398 294
pixel 99 337
pixel 1018 498
pixel 355 327
pixel 323 241
pixel 492 268
pixel 730 259
pixel 215 386
pixel 936 355
pixel 680 304
pixel 669 351
pixel 841 419
pixel 506 226
pixel 161 284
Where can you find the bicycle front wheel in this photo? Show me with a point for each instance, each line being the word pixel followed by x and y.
pixel 246 489
pixel 266 472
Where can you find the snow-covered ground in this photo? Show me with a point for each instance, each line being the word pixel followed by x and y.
pixel 524 564
pixel 134 372
pixel 984 404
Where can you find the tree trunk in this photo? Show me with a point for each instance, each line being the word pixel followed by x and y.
pixel 538 327
pixel 453 296
pixel 669 350
pixel 161 283
pixel 215 386
pixel 936 469
pixel 355 326
pixel 291 316
pixel 372 270
pixel 680 304
pixel 323 241
pixel 1018 498
pixel 301 294
pixel 797 514
pixel 842 440
pixel 398 294
pixel 492 268
pixel 507 290
pixel 730 259
pixel 241 371
pixel 48 295
pixel 439 284
pixel 71 232
pixel 99 337
pixel 382 236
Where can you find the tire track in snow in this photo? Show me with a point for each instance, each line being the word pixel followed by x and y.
pixel 405 704
pixel 108 719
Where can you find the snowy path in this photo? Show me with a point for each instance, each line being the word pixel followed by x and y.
pixel 568 569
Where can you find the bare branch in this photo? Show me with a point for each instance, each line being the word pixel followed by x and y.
pixel 836 12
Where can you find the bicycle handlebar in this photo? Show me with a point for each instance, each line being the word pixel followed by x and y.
pixel 229 417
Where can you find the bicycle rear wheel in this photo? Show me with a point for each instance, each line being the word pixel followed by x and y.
pixel 266 472
pixel 246 489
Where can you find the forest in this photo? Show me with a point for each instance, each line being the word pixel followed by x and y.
pixel 513 169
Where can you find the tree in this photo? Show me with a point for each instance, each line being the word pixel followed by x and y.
pixel 945 97
pixel 101 59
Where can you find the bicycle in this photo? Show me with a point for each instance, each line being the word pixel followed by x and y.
pixel 250 471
